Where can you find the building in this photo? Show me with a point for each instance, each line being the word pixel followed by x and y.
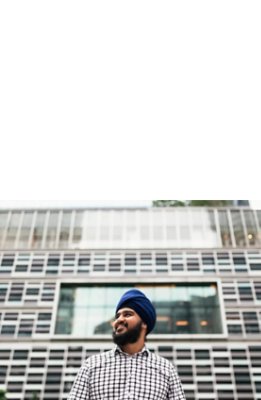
pixel 62 272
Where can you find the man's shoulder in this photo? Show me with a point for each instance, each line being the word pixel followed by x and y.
pixel 98 359
pixel 161 362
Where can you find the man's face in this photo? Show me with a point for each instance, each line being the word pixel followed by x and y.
pixel 127 327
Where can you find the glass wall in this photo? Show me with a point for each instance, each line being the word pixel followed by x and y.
pixel 187 227
pixel 181 308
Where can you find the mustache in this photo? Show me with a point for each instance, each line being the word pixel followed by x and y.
pixel 125 324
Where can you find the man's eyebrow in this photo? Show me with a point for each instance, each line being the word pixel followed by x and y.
pixel 123 312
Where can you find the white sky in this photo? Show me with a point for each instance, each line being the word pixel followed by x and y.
pixel 95 203
pixel 140 99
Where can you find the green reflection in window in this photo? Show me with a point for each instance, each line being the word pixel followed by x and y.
pixel 193 308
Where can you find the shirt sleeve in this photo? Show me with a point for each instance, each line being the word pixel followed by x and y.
pixel 80 388
pixel 176 391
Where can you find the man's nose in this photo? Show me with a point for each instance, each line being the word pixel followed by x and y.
pixel 120 319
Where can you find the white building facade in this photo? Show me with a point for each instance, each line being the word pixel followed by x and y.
pixel 62 272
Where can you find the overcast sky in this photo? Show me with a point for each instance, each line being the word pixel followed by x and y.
pixel 92 203
pixel 129 99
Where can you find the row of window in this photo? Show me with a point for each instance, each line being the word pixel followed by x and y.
pixel 181 227
pixel 220 372
pixel 30 324
pixel 42 293
pixel 131 262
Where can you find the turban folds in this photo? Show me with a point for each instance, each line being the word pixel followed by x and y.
pixel 137 301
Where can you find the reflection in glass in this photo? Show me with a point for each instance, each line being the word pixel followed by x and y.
pixel 78 227
pixel 224 228
pixel 238 228
pixel 258 213
pixel 211 228
pixel 251 227
pixel 25 230
pixel 38 230
pixel 65 229
pixel 52 230
pixel 181 308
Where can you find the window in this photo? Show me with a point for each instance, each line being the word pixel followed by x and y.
pixel 224 228
pixel 181 308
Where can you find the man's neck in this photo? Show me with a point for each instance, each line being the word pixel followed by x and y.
pixel 133 348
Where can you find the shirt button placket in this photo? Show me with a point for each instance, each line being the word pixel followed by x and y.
pixel 128 381
pixel 130 388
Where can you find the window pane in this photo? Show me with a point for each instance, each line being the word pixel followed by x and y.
pixel 65 229
pixel 25 230
pixel 52 230
pixel 3 221
pixel 251 227
pixel 238 228
pixel 38 230
pixel 224 228
pixel 78 227
pixel 12 230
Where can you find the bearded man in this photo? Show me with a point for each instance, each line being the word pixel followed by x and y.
pixel 130 370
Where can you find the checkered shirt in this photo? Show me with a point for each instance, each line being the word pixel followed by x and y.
pixel 115 375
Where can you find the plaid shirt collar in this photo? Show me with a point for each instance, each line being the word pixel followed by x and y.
pixel 144 351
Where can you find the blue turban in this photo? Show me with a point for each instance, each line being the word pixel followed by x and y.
pixel 138 302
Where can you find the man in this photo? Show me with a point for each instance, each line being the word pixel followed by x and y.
pixel 130 371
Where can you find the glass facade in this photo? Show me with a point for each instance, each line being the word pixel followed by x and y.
pixel 181 308
pixel 131 228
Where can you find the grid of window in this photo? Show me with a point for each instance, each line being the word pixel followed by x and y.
pixel 131 262
pixel 41 294
pixel 132 228
pixel 247 292
pixel 214 372
pixel 243 323
pixel 25 324
pixel 27 293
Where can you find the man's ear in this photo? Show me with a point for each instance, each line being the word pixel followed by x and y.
pixel 144 325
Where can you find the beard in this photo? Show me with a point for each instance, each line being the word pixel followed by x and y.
pixel 130 336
